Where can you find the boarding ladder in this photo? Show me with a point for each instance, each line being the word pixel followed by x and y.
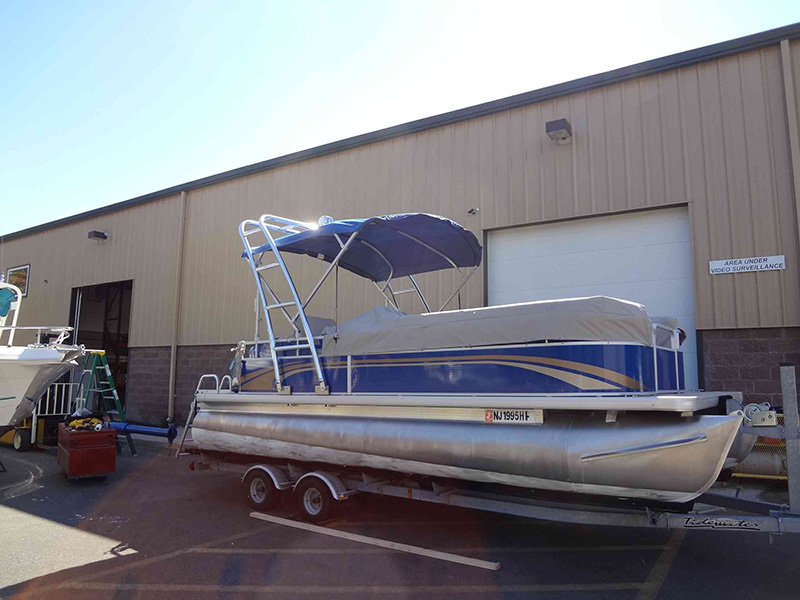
pixel 269 302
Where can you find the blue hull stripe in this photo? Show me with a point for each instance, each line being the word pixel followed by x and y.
pixel 533 369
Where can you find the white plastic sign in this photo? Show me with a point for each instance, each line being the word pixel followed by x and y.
pixel 747 265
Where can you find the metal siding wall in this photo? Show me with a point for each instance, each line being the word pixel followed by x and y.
pixel 406 174
pixel 734 130
pixel 713 136
pixel 141 246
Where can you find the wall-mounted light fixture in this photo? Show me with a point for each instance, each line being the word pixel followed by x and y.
pixel 98 235
pixel 473 211
pixel 559 130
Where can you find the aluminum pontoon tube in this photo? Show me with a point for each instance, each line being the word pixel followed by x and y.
pixel 659 456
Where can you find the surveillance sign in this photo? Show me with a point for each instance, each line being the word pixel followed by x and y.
pixel 747 265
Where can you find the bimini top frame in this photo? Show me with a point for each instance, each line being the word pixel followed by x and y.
pixel 381 249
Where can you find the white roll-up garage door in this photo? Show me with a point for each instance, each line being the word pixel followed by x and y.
pixel 645 257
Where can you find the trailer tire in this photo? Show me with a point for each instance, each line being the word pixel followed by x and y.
pixel 315 500
pixel 261 492
pixel 22 440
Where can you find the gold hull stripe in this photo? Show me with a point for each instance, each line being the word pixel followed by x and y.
pixel 608 374
pixel 578 380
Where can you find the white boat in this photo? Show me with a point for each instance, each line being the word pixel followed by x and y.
pixel 27 371
pixel 581 396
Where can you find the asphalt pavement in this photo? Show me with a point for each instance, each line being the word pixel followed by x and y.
pixel 157 530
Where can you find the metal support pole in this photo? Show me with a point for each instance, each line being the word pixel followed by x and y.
pixel 35 421
pixel 334 264
pixel 131 445
pixel 419 292
pixel 176 309
pixel 791 424
pixel 655 359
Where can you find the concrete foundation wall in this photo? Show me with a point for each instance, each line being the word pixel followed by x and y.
pixel 194 361
pixel 148 379
pixel 748 360
pixel 148 385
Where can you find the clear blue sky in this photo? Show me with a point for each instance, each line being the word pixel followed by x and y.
pixel 105 101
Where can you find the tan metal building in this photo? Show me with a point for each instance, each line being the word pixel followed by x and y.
pixel 670 164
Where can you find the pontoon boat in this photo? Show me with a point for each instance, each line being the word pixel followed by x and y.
pixel 581 395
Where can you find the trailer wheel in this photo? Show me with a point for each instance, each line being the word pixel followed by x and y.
pixel 261 492
pixel 22 440
pixel 315 500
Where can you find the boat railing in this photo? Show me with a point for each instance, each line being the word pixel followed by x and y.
pixel 57 401
pixel 15 306
pixel 200 389
pixel 258 345
pixel 219 385
pixel 63 333
pixel 674 347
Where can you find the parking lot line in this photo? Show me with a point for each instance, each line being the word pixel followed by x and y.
pixel 181 588
pixel 153 559
pixel 505 550
pixel 658 574
pixel 362 539
pixel 86 579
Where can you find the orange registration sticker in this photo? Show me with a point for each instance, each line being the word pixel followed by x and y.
pixel 509 416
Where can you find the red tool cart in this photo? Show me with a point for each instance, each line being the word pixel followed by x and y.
pixel 87 453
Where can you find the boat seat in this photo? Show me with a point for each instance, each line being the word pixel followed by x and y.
pixel 7 297
pixel 319 324
pixel 597 318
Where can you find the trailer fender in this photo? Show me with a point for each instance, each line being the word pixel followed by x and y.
pixel 335 485
pixel 279 477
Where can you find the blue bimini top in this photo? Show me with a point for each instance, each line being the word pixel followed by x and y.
pixel 388 247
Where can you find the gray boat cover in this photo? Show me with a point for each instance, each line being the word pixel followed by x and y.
pixel 597 318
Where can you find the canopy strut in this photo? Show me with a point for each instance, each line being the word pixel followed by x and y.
pixel 304 341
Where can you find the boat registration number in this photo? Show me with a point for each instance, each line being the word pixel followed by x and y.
pixel 509 416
